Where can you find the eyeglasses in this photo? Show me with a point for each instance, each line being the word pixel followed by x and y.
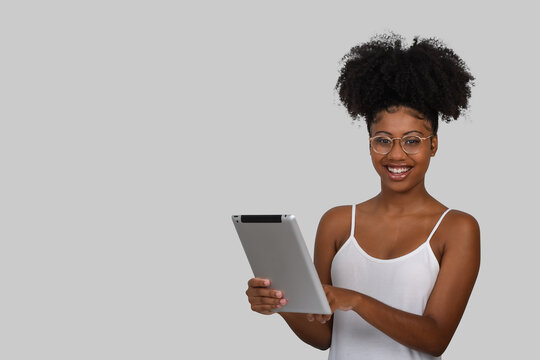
pixel 410 144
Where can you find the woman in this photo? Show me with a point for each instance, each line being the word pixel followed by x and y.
pixel 397 269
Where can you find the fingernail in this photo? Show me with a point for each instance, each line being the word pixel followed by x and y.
pixel 278 294
pixel 266 282
pixel 283 301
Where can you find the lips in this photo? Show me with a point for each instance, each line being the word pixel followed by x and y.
pixel 398 172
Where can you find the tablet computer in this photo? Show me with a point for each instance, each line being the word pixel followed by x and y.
pixel 276 250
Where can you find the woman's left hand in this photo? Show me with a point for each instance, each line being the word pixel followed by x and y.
pixel 338 299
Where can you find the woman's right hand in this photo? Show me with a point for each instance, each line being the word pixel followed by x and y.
pixel 262 299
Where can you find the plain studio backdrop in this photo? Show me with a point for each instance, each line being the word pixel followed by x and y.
pixel 132 130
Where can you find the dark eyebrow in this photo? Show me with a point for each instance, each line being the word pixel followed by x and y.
pixel 408 132
pixel 386 132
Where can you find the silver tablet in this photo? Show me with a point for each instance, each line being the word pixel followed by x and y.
pixel 276 250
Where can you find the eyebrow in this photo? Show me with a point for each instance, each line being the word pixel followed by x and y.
pixel 408 132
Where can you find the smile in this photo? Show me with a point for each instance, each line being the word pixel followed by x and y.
pixel 398 173
pixel 398 170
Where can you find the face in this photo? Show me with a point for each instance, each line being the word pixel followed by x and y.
pixel 391 166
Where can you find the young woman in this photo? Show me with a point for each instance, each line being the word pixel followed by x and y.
pixel 397 269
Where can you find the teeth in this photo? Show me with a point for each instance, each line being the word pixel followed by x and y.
pixel 398 170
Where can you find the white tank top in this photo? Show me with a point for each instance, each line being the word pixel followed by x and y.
pixel 404 282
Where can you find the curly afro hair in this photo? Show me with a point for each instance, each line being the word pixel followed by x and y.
pixel 383 74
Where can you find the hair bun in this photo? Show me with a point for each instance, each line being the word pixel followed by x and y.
pixel 426 76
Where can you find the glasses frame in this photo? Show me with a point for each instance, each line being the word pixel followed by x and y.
pixel 396 138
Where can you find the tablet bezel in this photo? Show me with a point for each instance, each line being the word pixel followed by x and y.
pixel 277 251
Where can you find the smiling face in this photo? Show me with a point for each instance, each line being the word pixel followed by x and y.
pixel 399 171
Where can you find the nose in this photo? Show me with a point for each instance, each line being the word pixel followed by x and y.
pixel 396 153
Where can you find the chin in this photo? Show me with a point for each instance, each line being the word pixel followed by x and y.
pixel 404 185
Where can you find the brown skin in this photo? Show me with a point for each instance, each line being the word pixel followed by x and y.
pixel 391 224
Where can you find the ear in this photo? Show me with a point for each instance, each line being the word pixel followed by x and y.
pixel 434 145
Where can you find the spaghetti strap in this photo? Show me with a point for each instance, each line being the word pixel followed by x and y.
pixel 352 220
pixel 437 224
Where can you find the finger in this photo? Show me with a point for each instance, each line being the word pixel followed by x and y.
pixel 276 294
pixel 323 318
pixel 263 309
pixel 263 292
pixel 326 289
pixel 261 300
pixel 310 317
pixel 258 282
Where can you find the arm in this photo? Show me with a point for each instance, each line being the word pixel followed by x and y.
pixel 315 334
pixel 264 300
pixel 319 334
pixel 432 331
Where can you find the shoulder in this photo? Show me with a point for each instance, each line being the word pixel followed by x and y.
pixel 337 215
pixel 462 223
pixel 461 232
pixel 335 224
pixel 338 220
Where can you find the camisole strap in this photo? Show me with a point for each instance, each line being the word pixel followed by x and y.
pixel 352 220
pixel 437 224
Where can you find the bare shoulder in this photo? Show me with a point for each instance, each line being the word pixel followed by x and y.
pixel 462 222
pixel 336 216
pixel 331 231
pixel 335 225
pixel 461 230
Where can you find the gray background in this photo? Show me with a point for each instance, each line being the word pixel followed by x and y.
pixel 132 130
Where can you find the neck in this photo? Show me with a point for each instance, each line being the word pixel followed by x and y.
pixel 391 202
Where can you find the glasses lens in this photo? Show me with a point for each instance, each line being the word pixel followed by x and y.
pixel 411 144
pixel 381 144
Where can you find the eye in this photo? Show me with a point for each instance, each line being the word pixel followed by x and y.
pixel 382 140
pixel 412 140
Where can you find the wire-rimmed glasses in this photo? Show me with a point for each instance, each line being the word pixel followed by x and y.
pixel 411 144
